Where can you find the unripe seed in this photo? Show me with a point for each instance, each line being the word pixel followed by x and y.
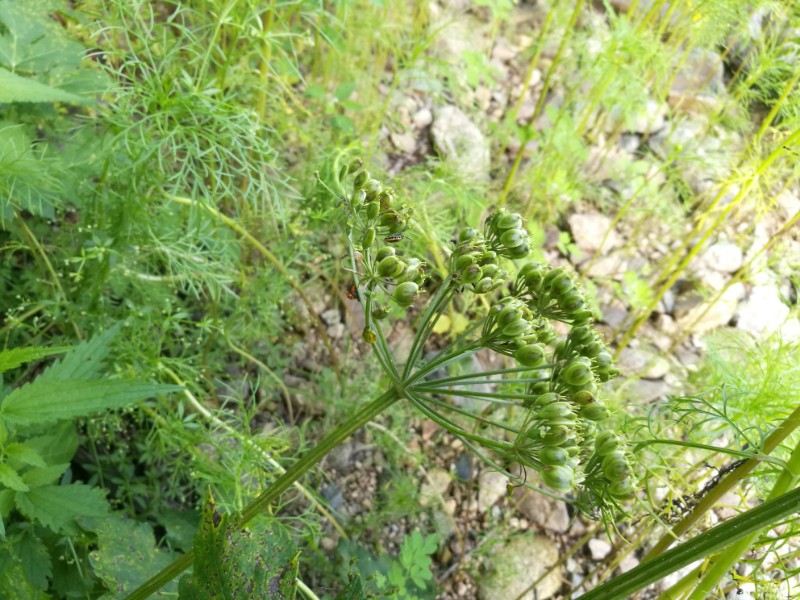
pixel 380 312
pixel 556 436
pixel 603 359
pixel 556 410
pixel 571 301
pixel 373 209
pixel 465 260
pixel 369 336
pixel 516 328
pixel 369 238
pixel 559 477
pixel 489 270
pixel 488 257
pixel 562 284
pixel 467 235
pixel 594 412
pixel 512 238
pixel 546 398
pixel 405 293
pixel 520 251
pixel 583 397
pixel 577 375
pixel 384 252
pixel 553 456
pixel 509 221
pixel 471 274
pixel 606 443
pixel 510 314
pixel 355 165
pixel 360 179
pixel 391 266
pixel 531 355
pixel 484 286
pixel 615 467
pixel 623 490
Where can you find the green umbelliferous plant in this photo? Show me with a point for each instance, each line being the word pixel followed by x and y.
pixel 540 412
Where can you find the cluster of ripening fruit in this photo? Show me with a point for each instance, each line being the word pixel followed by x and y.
pixel 560 435
pixel 377 215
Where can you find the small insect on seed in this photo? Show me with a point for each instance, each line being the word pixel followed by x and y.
pixel 352 292
pixel 393 238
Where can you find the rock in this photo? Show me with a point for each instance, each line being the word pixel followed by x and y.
pixel 649 118
pixel 461 143
pixel 698 83
pixel 629 142
pixel 614 314
pixel 763 312
pixel 422 118
pixel 491 487
pixel 543 511
pixel 518 564
pixel 644 391
pixel 331 316
pixel 628 563
pixel 405 142
pixel 708 316
pixel 464 466
pixel 598 549
pixel 336 331
pixel 724 256
pixel 588 230
pixel 643 363
pixel 607 266
pixel 434 487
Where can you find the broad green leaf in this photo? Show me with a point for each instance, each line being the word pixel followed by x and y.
pixel 127 555
pixel 11 479
pixel 14 88
pixel 44 475
pixel 43 401
pixel 34 558
pixel 57 506
pixel 85 361
pixel 32 42
pixel 11 359
pixel 58 445
pixel 24 454
pixel 6 502
pixel 14 584
pixel 240 564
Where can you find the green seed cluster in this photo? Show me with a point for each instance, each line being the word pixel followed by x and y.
pixel 554 293
pixel 506 236
pixel 513 329
pixel 377 220
pixel 474 265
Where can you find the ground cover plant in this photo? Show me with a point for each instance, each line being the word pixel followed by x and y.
pixel 343 289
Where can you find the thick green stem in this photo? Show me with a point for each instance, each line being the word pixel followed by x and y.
pixel 723 563
pixel 292 474
pixel 791 423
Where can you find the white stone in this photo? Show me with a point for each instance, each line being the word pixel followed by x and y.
pixel 434 487
pixel 461 143
pixel 405 142
pixel 491 487
pixel 763 312
pixel 599 549
pixel 422 118
pixel 588 230
pixel 724 256
pixel 713 316
pixel 543 511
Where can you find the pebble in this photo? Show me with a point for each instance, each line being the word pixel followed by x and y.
pixel 725 257
pixel 434 487
pixel 599 549
pixel 491 487
pixel 588 230
pixel 422 118
pixel 461 143
pixel 763 312
pixel 543 511
pixel 405 142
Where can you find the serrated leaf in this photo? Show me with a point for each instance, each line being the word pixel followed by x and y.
pixel 32 42
pixel 11 359
pixel 34 558
pixel 127 555
pixel 57 506
pixel 58 445
pixel 85 361
pixel 240 564
pixel 355 590
pixel 11 479
pixel 14 88
pixel 24 454
pixel 43 401
pixel 14 584
pixel 44 475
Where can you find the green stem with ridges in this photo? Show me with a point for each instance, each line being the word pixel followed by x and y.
pixel 284 482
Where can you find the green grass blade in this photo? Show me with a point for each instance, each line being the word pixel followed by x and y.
pixel 703 545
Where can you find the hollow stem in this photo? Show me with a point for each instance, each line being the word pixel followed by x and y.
pixel 280 485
